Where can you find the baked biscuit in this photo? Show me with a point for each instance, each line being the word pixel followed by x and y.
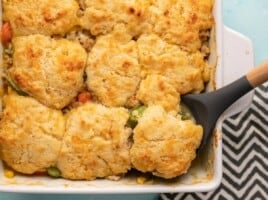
pixel 113 70
pixel 50 70
pixel 185 71
pixel 138 54
pixel 163 144
pixel 96 143
pixel 47 17
pixel 155 90
pixel 30 134
pixel 102 16
pixel 179 21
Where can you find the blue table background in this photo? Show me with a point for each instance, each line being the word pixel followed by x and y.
pixel 246 16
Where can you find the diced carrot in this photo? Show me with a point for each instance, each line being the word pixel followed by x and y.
pixel 83 97
pixel 6 33
pixel 40 173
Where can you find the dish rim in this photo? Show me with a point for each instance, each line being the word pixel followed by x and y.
pixel 119 189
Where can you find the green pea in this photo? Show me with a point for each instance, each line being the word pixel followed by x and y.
pixel 185 112
pixel 135 114
pixel 54 172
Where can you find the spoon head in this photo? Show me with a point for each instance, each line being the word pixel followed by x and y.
pixel 203 113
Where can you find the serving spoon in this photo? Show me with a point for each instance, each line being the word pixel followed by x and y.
pixel 206 108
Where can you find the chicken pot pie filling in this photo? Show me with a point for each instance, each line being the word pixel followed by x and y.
pixel 91 89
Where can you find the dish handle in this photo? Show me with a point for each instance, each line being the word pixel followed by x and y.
pixel 238 60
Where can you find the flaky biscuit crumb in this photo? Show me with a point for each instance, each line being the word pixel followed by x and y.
pixel 164 144
pixel 50 70
pixel 30 134
pixel 40 17
pixel 96 143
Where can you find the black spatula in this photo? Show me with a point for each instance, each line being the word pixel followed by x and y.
pixel 207 107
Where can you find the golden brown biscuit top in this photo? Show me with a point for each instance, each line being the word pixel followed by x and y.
pixel 30 134
pixel 102 16
pixel 179 21
pixel 96 142
pixel 164 144
pixel 183 70
pixel 113 69
pixel 26 112
pixel 46 17
pixel 90 58
pixel 176 21
pixel 51 70
pixel 152 90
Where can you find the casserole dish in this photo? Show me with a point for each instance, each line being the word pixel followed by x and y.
pixel 204 175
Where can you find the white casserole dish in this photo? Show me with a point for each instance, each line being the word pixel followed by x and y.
pixel 231 50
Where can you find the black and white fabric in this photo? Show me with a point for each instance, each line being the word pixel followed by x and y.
pixel 245 155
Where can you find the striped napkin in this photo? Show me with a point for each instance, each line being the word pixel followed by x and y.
pixel 245 155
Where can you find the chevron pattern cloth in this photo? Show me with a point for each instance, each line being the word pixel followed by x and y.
pixel 245 155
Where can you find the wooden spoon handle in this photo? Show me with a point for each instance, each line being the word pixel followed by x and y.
pixel 258 75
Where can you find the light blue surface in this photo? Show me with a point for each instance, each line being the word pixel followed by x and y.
pixel 249 17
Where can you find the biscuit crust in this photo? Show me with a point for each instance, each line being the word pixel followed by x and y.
pixel 113 69
pixel 50 70
pixel 180 22
pixel 155 90
pixel 183 70
pixel 96 143
pixel 103 16
pixel 30 134
pixel 86 71
pixel 164 144
pixel 48 17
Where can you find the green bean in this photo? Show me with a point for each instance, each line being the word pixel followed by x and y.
pixel 14 86
pixel 54 172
